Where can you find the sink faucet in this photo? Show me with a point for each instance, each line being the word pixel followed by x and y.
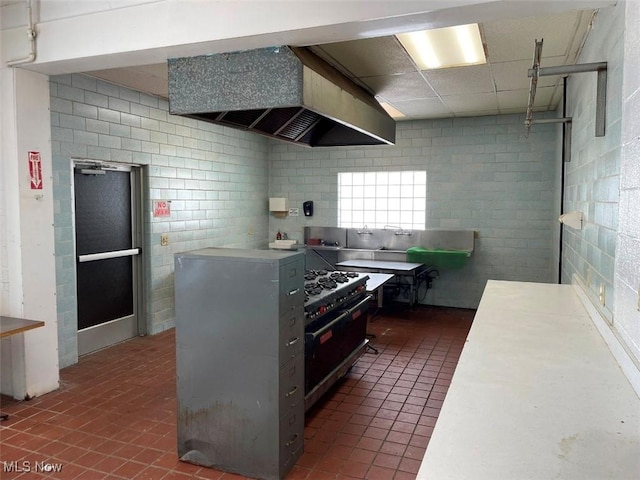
pixel 398 230
pixel 364 231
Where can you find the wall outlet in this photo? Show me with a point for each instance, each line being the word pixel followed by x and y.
pixel 294 212
pixel 164 239
pixel 601 295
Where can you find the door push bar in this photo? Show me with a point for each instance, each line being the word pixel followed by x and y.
pixel 101 256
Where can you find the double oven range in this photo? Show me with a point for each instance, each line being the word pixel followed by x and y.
pixel 335 309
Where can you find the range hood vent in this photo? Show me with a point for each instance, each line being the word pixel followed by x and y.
pixel 286 93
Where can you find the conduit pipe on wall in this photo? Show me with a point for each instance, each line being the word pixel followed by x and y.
pixel 31 35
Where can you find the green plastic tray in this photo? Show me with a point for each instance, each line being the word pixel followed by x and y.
pixel 438 258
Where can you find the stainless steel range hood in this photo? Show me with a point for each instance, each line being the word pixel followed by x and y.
pixel 284 92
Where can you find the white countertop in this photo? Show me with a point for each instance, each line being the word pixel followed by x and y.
pixel 536 395
pixel 376 280
pixel 381 265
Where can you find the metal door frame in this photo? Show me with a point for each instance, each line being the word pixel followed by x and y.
pixel 137 230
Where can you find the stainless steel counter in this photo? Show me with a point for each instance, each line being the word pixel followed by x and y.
pixel 412 272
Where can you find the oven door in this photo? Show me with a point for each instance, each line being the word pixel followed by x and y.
pixel 331 341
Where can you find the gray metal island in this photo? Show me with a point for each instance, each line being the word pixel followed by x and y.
pixel 240 359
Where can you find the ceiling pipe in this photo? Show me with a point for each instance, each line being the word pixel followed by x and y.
pixel 601 94
pixel 533 83
pixel 31 35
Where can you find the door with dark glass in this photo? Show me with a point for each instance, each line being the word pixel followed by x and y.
pixel 107 254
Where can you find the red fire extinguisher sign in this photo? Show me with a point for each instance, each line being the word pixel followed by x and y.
pixel 35 170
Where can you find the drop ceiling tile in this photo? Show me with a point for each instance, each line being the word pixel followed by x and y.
pixel 513 75
pixel 424 108
pixel 397 88
pixel 519 99
pixel 383 65
pixel 478 113
pixel 511 99
pixel 471 79
pixel 546 98
pixel 507 111
pixel 159 70
pixel 556 99
pixel 471 102
pixel 151 79
pixel 509 40
pixel 371 56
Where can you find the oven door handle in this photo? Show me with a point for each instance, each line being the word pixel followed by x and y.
pixel 343 315
pixel 357 306
pixel 326 327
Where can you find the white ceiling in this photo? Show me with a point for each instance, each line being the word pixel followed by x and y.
pixel 383 67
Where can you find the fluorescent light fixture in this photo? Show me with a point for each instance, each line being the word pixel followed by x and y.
pixel 445 47
pixel 391 110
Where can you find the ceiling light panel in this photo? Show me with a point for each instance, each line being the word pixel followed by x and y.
pixel 445 47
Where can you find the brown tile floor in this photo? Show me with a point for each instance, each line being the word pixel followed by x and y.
pixel 114 415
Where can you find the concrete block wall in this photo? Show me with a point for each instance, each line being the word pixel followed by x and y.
pixel 627 262
pixel 592 176
pixel 4 268
pixel 483 173
pixel 65 258
pixel 215 177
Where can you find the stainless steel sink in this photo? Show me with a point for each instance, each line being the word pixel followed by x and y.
pixel 389 245
pixel 382 254
pixel 390 255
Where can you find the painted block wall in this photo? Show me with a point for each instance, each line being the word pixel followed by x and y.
pixel 592 176
pixel 215 177
pixel 627 262
pixel 4 267
pixel 29 227
pixel 483 173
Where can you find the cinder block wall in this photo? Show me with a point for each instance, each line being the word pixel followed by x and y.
pixel 627 265
pixel 592 176
pixel 216 178
pixel 483 173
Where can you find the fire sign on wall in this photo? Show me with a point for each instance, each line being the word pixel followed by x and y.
pixel 35 170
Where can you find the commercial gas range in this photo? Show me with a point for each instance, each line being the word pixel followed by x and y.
pixel 335 308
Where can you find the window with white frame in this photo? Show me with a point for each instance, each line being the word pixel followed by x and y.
pixel 379 199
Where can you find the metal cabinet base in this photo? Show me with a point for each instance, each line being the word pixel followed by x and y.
pixel 240 359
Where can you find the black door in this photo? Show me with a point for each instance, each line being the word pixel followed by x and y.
pixel 107 256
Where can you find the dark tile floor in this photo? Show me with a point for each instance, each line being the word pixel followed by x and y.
pixel 114 414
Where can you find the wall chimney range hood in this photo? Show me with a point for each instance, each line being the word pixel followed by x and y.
pixel 287 93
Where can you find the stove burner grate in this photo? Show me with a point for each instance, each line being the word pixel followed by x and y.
pixel 327 283
pixel 313 289
pixel 313 274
